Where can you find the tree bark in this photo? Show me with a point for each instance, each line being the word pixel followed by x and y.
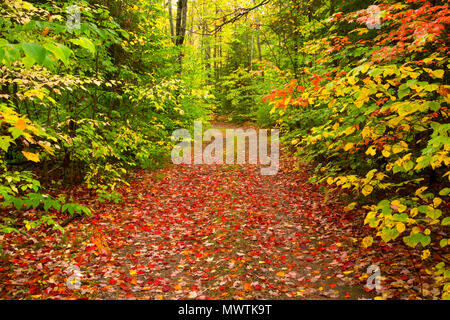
pixel 181 28
pixel 172 31
pixel 258 44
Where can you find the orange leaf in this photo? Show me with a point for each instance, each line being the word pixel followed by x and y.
pixel 178 287
pixel 21 124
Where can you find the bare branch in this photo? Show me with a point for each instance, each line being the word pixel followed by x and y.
pixel 235 16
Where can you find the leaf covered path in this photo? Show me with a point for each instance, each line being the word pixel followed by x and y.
pixel 228 232
pixel 205 232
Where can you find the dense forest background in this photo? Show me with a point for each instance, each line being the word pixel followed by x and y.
pixel 360 94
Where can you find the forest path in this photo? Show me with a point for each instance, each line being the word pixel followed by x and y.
pixel 228 232
pixel 199 231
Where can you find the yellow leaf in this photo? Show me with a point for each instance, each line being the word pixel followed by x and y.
pixel 365 68
pixel 281 274
pixel 349 130
pixel 400 227
pixel 425 254
pixel 438 73
pixel 367 190
pixel 437 201
pixel 359 103
pixel 348 272
pixel 336 126
pixel 133 272
pixel 286 101
pixel 399 147
pixel 420 190
pixel 348 146
pixel 272 111
pixel 385 153
pixel 367 241
pixel 371 151
pixel 351 80
pixel 31 156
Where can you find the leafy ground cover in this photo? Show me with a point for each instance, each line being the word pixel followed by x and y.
pixel 210 232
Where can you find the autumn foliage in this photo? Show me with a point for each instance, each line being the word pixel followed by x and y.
pixel 383 132
pixel 90 206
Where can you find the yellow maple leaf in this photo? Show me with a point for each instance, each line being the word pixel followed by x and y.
pixel 31 156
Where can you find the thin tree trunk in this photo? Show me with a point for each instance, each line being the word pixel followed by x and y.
pixel 251 52
pixel 181 28
pixel 258 44
pixel 172 31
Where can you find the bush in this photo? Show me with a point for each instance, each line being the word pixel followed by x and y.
pixel 263 116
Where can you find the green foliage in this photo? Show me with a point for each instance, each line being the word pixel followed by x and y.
pixel 20 189
pixel 263 116
pixel 84 105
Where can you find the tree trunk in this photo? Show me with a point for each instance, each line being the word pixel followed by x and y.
pixel 258 44
pixel 181 28
pixel 172 31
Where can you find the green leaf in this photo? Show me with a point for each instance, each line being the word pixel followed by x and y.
pixel 5 142
pixel 403 91
pixel 60 51
pixel 434 214
pixel 18 203
pixel 400 217
pixel 388 234
pixel 35 51
pixel 385 207
pixel 84 43
pixel 69 207
pixel 445 221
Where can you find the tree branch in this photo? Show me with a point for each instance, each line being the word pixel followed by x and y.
pixel 235 16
